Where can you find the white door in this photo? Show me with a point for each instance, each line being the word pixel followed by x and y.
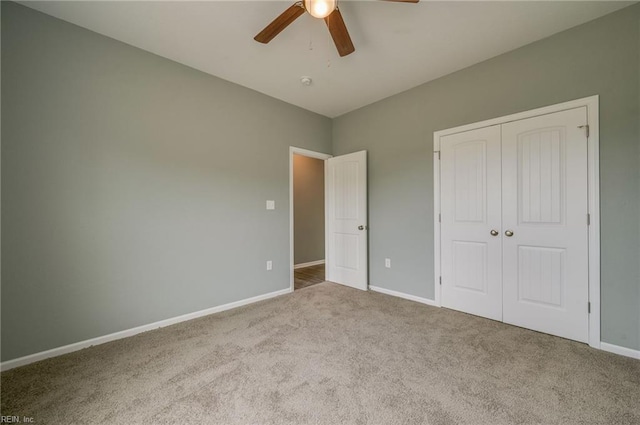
pixel 470 222
pixel 346 205
pixel 545 245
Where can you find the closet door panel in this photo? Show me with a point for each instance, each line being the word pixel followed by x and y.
pixel 545 246
pixel 470 210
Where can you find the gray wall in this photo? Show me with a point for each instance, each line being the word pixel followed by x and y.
pixel 133 188
pixel 308 209
pixel 600 57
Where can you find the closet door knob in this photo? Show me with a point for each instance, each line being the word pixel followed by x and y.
pixel 509 233
pixel 494 233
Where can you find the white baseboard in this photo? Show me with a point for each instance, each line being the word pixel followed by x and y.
pixel 54 352
pixel 623 351
pixel 426 301
pixel 309 264
pixel 21 361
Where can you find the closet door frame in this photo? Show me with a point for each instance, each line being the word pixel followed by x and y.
pixel 593 158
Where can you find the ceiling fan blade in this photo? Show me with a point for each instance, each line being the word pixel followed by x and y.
pixel 280 23
pixel 339 33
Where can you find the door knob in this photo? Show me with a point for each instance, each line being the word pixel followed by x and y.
pixel 361 227
pixel 509 233
pixel 494 233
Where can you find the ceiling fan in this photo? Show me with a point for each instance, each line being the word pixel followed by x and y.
pixel 321 9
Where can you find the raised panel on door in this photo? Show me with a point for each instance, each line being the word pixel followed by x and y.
pixel 347 220
pixel 544 194
pixel 470 210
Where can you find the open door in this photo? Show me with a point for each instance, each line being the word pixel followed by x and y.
pixel 346 227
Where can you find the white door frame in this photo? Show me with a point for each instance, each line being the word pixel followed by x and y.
pixel 593 144
pixel 311 154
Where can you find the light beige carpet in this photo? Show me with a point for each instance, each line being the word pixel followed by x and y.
pixel 331 355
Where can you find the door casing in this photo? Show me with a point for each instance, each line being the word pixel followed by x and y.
pixel 593 177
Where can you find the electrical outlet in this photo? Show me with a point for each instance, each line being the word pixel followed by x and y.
pixel 387 263
pixel 269 265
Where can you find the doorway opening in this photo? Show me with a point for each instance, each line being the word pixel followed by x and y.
pixel 308 217
pixel 345 219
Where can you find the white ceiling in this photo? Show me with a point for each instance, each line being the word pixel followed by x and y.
pixel 398 46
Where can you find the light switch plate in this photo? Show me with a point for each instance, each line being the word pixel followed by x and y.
pixel 269 265
pixel 271 205
pixel 387 263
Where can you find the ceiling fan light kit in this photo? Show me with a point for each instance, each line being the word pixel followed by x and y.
pixel 322 9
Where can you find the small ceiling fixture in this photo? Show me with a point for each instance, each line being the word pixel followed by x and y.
pixel 306 81
pixel 320 8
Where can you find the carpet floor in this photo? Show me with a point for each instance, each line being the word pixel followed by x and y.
pixel 328 354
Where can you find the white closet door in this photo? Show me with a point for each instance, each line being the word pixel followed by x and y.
pixel 545 246
pixel 470 208
pixel 346 201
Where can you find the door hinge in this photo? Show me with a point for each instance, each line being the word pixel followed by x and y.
pixel 589 307
pixel 586 129
pixel 588 219
pixel 440 280
pixel 439 218
pixel 438 152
